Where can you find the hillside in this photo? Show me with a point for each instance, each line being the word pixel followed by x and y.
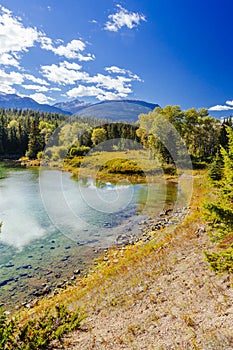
pixel 10 101
pixel 117 110
pixel 71 106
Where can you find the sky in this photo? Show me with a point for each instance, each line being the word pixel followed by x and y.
pixel 175 52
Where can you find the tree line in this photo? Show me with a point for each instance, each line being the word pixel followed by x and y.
pixel 163 131
pixel 166 131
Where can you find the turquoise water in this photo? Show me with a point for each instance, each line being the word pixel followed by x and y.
pixel 52 223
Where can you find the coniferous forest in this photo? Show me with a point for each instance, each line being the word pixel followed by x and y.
pixel 27 132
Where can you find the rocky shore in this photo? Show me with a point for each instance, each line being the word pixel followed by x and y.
pixel 165 219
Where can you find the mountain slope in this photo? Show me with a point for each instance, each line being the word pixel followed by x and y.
pixel 123 110
pixel 71 106
pixel 15 101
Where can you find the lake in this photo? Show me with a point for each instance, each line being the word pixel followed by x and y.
pixel 54 224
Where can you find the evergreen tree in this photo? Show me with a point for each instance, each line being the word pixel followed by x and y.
pixel 220 213
pixel 35 142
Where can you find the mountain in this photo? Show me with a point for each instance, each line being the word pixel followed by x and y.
pixel 117 110
pixel 15 101
pixel 71 106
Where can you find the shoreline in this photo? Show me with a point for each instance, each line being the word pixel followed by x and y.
pixel 60 282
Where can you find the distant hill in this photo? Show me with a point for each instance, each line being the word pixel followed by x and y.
pixel 117 110
pixel 15 101
pixel 71 106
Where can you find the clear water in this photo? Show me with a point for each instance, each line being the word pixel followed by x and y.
pixel 52 222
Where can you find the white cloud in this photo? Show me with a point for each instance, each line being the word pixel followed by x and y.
pixel 7 80
pixel 107 95
pixel 117 70
pixel 120 84
pixel 7 89
pixel 69 65
pixel 41 98
pixel 15 38
pixel 7 59
pixel 230 103
pixel 94 91
pixel 122 18
pixel 55 89
pixel 102 86
pixel 35 80
pixel 62 75
pixel 82 90
pixel 37 88
pixel 220 108
pixel 72 50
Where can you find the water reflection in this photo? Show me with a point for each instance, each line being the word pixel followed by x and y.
pixel 34 205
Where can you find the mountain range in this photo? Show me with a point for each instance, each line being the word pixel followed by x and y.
pixel 123 110
pixel 116 110
pixel 14 101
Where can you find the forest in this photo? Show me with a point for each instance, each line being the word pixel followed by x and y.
pixel 27 132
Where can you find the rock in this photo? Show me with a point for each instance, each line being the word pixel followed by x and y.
pixel 24 267
pixel 77 272
pixel 200 231
pixel 168 211
pixel 4 282
pixel 44 291
pixel 23 275
pixel 65 258
pixel 68 247
pixel 7 312
pixel 9 265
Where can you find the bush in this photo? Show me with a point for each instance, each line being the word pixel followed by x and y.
pixel 78 151
pixel 37 334
pixel 221 261
pixel 170 170
pixel 122 166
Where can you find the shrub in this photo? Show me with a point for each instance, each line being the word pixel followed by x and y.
pixel 122 166
pixel 37 333
pixel 78 151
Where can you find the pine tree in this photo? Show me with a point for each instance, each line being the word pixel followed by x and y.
pixel 220 213
pixel 34 144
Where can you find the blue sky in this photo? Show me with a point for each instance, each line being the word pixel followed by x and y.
pixel 162 51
